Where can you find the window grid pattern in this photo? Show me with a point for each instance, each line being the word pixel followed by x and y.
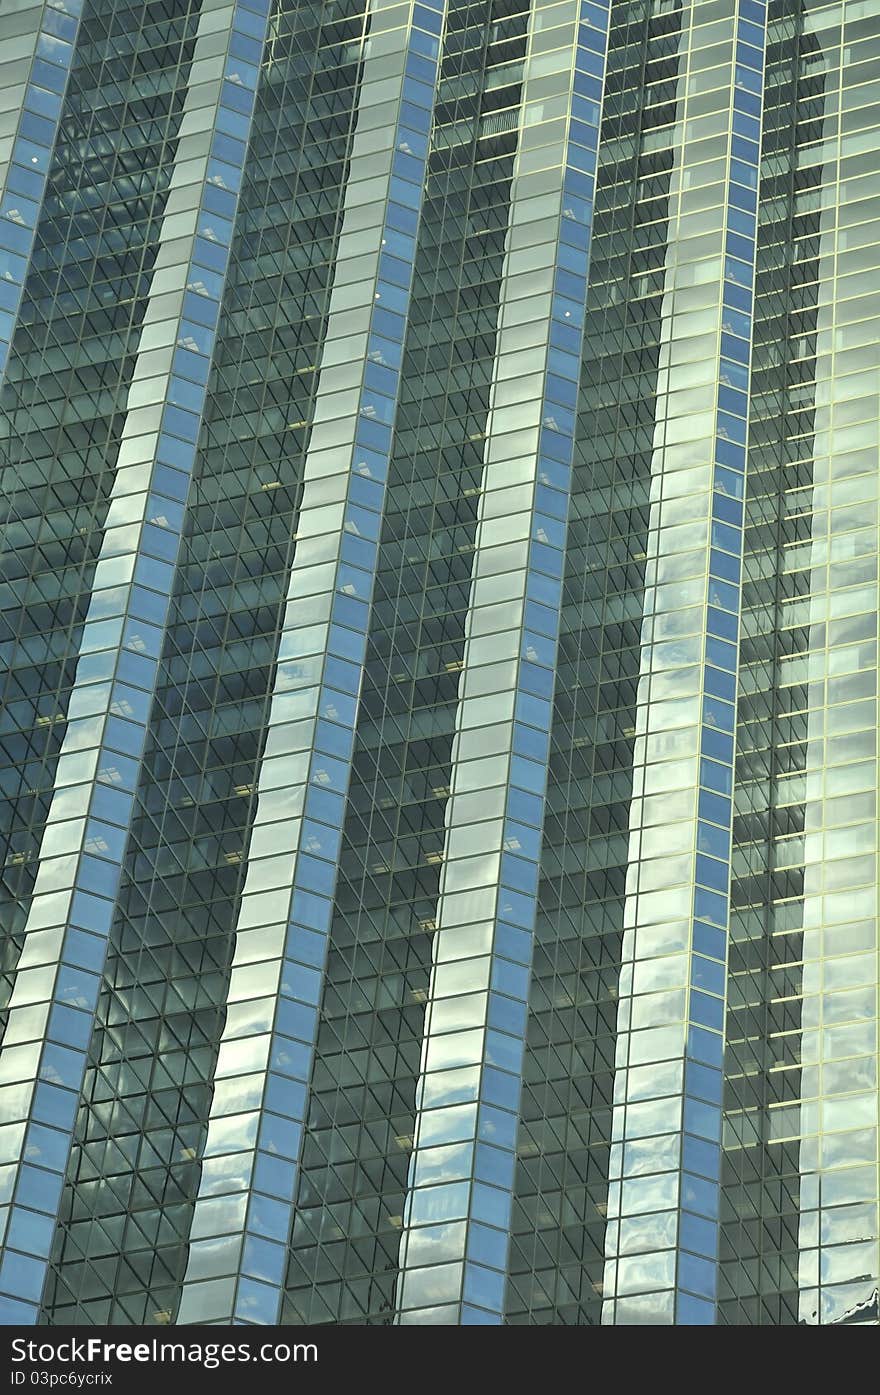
pixel 121 1251
pixel 801 1233
pixel 46 47
pixel 53 1002
pixel 758 1276
pixel 697 1280
pixel 839 1239
pixel 65 392
pixel 663 1211
pixel 559 1220
pixel 346 1238
pixel 318 681
pixel 64 396
pixel 348 1018
pixel 474 1042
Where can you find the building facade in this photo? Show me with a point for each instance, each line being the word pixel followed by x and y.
pixel 438 752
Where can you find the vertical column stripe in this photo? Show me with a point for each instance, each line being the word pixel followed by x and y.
pixel 461 1174
pixel 650 1039
pixel 697 1265
pixel 267 1050
pixel 837 1117
pixel 53 1003
pixel 46 43
pixel 663 1209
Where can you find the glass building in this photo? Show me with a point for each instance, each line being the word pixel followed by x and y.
pixel 438 759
